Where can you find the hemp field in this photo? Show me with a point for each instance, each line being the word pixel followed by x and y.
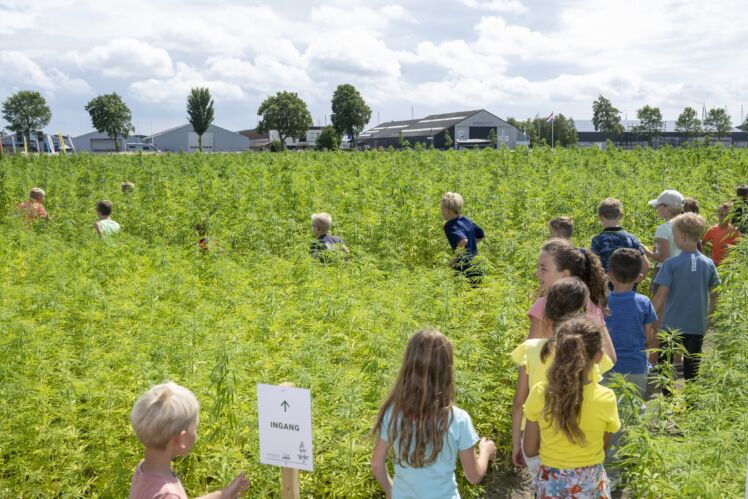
pixel 86 326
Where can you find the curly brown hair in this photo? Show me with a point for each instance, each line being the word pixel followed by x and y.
pixel 578 341
pixel 565 300
pixel 420 402
pixel 580 263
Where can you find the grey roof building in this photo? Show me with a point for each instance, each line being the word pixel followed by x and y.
pixel 183 138
pixel 100 142
pixel 630 138
pixel 261 141
pixel 467 129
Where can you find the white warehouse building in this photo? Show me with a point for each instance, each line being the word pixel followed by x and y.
pixel 100 142
pixel 183 138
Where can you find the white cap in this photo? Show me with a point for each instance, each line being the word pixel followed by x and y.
pixel 669 198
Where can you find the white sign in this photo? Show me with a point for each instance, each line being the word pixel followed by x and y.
pixel 284 415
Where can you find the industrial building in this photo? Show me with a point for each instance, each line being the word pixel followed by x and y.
pixel 468 129
pixel 100 142
pixel 261 141
pixel 630 138
pixel 183 138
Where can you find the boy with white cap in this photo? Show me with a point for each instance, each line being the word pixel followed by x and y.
pixel 668 205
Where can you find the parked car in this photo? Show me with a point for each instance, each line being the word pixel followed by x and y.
pixel 141 146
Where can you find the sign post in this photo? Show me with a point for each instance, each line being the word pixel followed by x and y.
pixel 284 415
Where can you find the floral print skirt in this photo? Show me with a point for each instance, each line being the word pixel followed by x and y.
pixel 589 482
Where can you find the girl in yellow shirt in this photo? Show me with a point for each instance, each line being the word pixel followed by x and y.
pixel 570 418
pixel 568 297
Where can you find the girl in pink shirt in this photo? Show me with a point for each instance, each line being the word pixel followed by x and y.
pixel 559 259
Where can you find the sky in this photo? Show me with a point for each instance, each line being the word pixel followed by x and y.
pixel 517 58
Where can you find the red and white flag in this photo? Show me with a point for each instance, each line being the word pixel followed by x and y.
pixel 550 117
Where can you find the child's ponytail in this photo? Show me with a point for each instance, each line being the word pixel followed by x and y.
pixel 577 343
pixel 566 299
pixel 595 280
pixel 583 264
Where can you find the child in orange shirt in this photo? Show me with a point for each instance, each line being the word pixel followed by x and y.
pixel 722 235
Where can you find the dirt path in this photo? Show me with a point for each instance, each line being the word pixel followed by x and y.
pixel 507 483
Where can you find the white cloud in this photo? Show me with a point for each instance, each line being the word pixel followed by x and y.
pixel 472 53
pixel 12 21
pixel 505 6
pixel 174 90
pixel 18 69
pixel 352 52
pixel 359 18
pixel 233 31
pixel 265 74
pixel 125 58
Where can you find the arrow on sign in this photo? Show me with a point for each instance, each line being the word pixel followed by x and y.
pixel 285 405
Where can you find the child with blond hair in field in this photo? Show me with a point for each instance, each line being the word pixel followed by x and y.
pixel 668 205
pixel 105 226
pixel 561 228
pixel 422 428
pixel 567 298
pixel 571 417
pixel 721 236
pixel 686 291
pixel 33 208
pixel 324 242
pixel 463 235
pixel 165 421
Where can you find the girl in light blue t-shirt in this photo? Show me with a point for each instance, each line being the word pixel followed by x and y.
pixel 422 429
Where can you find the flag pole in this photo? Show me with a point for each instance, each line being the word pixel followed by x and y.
pixel 552 120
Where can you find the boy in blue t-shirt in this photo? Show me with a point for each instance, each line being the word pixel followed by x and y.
pixel 631 324
pixel 613 236
pixel 463 235
pixel 632 318
pixel 686 293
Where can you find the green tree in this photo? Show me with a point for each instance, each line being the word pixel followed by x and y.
pixel 524 126
pixel 448 143
pixel 688 124
pixel 200 112
pixel 564 131
pixel 744 126
pixel 605 117
pixel 350 114
pixel 650 122
pixel 328 139
pixel 286 113
pixel 718 121
pixel 492 138
pixel 110 114
pixel 402 141
pixel 539 131
pixel 26 111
